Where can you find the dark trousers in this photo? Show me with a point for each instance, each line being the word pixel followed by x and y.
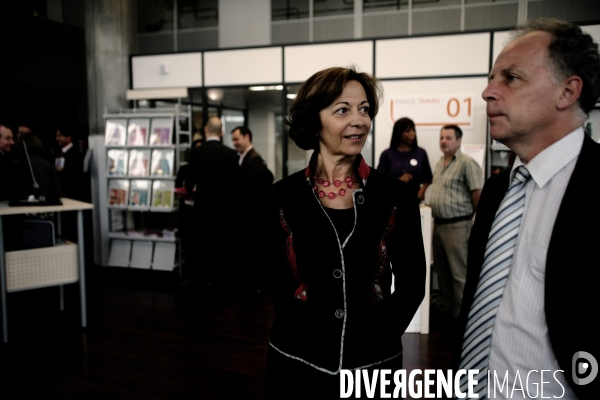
pixel 213 251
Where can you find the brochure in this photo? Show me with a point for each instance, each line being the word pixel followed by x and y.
pixel 137 131
pixel 115 132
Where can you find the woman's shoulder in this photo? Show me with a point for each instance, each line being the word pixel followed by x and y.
pixel 420 150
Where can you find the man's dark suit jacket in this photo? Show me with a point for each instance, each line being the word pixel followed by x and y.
pixel 71 176
pixel 7 179
pixel 572 265
pixel 214 170
pixel 252 169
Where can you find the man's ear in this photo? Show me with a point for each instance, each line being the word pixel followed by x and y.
pixel 571 90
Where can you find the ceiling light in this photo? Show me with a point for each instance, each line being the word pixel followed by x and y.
pixel 291 96
pixel 215 94
pixel 272 87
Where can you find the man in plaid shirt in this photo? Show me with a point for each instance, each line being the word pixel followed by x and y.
pixel 455 190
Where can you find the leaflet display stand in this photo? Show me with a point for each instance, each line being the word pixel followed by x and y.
pixel 141 185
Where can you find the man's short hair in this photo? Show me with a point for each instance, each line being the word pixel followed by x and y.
pixel 5 125
pixel 243 131
pixel 214 125
pixel 66 131
pixel 571 52
pixel 457 130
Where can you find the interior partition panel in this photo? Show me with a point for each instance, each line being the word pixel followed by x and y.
pixel 243 67
pixel 167 70
pixel 301 62
pixel 433 56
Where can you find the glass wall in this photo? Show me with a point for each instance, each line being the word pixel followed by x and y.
pixel 195 26
pixel 289 9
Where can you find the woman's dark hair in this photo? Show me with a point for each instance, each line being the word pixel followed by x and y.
pixel 401 126
pixel 318 92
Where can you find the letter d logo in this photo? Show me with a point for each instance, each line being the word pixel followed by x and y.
pixel 584 368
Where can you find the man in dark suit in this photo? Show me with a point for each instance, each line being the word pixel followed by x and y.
pixel 256 178
pixel 69 169
pixel 543 85
pixel 213 177
pixel 69 165
pixel 6 144
pixel 253 169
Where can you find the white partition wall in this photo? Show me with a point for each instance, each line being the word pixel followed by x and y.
pixel 243 67
pixel 167 70
pixel 303 61
pixel 466 54
pixel 593 30
pixel 500 40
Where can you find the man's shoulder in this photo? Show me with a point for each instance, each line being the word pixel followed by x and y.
pixel 214 146
pixel 590 154
pixel 439 162
pixel 73 152
pixel 387 152
pixel 254 157
pixel 467 160
pixel 459 155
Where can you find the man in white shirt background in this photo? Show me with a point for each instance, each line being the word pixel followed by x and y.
pixel 255 179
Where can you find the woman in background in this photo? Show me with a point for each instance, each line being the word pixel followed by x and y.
pixel 330 236
pixel 405 160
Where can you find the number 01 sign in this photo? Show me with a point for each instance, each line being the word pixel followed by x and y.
pixel 433 111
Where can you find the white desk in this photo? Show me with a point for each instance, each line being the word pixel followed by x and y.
pixel 68 205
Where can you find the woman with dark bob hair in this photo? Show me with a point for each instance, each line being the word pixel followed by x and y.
pixel 343 250
pixel 405 160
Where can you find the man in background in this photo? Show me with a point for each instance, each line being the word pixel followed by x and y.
pixel 213 177
pixel 456 186
pixel 6 144
pixel 256 178
pixel 69 165
pixel 185 214
pixel 69 169
pixel 255 174
pixel 540 303
pixel 6 139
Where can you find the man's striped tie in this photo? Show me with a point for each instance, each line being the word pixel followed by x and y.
pixel 492 280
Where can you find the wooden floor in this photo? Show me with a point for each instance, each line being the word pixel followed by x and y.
pixel 150 337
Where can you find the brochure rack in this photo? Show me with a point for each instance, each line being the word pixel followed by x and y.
pixel 142 153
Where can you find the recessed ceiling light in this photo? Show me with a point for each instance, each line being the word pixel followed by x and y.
pixel 272 87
